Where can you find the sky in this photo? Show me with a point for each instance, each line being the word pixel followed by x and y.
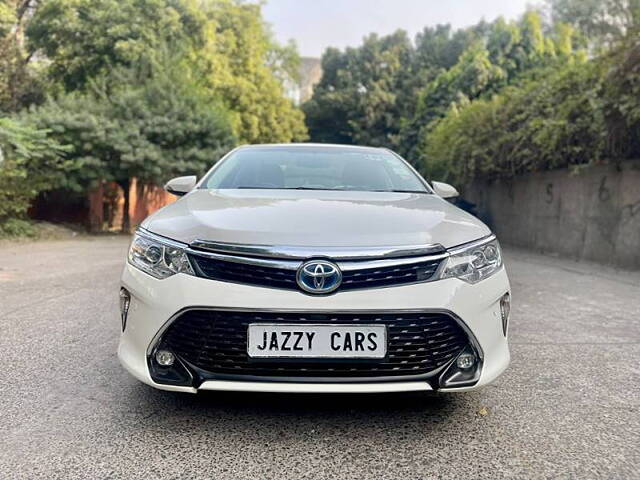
pixel 318 24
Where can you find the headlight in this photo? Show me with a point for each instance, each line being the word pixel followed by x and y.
pixel 475 262
pixel 159 258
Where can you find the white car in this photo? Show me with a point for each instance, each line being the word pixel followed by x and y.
pixel 314 268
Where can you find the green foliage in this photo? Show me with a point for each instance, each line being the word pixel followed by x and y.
pixel 17 228
pixel 85 39
pixel 224 42
pixel 622 97
pixel 241 65
pixel 137 88
pixel 30 162
pixel 20 82
pixel 7 17
pixel 556 121
pixel 362 92
pixel 507 54
pixel 601 22
pixel 580 113
pixel 472 76
pixel 389 92
pixel 439 48
pixel 151 129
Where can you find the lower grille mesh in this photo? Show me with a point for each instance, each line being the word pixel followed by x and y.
pixel 216 342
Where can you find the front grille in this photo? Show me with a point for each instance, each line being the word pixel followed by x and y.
pixel 387 276
pixel 216 342
pixel 228 271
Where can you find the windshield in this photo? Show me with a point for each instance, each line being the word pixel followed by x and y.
pixel 315 168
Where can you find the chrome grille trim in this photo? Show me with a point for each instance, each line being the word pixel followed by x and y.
pixel 358 271
pixel 345 266
pixel 258 262
pixel 348 266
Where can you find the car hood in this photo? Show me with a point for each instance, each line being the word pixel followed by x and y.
pixel 315 219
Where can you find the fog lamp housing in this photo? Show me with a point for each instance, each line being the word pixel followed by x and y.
pixel 464 371
pixel 167 368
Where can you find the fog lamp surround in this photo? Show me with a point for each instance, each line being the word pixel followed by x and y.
pixel 464 371
pixel 474 261
pixel 166 368
pixel 125 303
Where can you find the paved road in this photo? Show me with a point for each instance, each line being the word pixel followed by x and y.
pixel 568 407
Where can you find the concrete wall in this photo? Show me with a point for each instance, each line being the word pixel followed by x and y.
pixel 593 214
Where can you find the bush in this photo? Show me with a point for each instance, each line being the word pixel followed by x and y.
pixel 553 122
pixel 30 162
pixel 17 228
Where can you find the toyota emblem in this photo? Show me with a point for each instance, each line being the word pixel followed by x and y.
pixel 319 276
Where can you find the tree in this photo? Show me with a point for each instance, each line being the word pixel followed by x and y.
pixel 328 111
pixel 602 22
pixel 439 48
pixel 144 88
pixel 151 130
pixel 20 82
pixel 224 41
pixel 622 96
pixel 388 92
pixel 30 162
pixel 472 76
pixel 551 122
pixel 84 39
pixel 363 92
pixel 242 65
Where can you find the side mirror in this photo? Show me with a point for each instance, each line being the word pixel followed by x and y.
pixel 180 186
pixel 444 190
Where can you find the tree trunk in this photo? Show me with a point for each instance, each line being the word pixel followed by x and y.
pixel 126 221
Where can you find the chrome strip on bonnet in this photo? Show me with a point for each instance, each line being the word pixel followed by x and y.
pixel 345 266
pixel 258 262
pixel 392 262
pixel 303 253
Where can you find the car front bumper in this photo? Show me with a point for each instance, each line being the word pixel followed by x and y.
pixel 155 302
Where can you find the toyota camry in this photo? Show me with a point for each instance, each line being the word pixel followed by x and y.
pixel 313 268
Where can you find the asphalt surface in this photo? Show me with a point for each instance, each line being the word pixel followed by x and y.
pixel 568 407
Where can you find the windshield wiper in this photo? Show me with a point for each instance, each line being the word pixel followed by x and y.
pixel 316 188
pixel 251 187
pixel 400 191
pixel 248 187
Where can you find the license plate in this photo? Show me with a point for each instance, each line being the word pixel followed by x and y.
pixel 316 341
